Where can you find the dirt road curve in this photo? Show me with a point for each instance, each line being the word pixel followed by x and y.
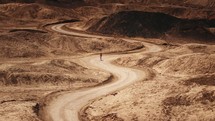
pixel 67 106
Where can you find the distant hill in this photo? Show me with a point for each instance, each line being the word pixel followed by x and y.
pixel 194 3
pixel 35 11
pixel 190 3
pixel 153 25
pixel 43 1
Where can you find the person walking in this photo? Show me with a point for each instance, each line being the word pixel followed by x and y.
pixel 101 57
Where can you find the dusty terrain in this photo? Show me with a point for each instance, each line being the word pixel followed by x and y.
pixel 32 68
pixel 36 62
pixel 158 60
pixel 181 88
pixel 155 25
pixel 24 83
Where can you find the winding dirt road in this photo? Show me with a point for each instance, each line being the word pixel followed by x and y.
pixel 67 106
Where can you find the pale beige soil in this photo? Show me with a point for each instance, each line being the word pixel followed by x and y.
pixel 67 105
pixel 182 88
pixel 35 63
pixel 24 84
pixel 164 94
pixel 43 72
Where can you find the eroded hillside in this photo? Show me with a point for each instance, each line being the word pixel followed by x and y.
pixel 154 25
pixel 37 61
pixel 180 87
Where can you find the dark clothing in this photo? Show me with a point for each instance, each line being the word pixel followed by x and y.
pixel 100 56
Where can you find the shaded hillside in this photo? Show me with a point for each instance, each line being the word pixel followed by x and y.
pixel 53 72
pixel 34 44
pixel 174 10
pixel 135 23
pixel 58 3
pixel 190 3
pixel 35 11
pixel 152 25
pixel 40 1
pixel 193 30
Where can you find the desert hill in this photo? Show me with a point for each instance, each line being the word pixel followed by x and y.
pixel 153 25
pixel 193 3
pixel 45 73
pixel 20 12
pixel 135 23
pixel 32 43
pixel 185 93
pixel 36 61
pixel 197 63
pixel 35 11
pixel 40 1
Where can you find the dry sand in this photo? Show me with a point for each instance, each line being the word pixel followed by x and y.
pixel 36 63
pixel 181 88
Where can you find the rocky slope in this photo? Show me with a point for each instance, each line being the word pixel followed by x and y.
pixel 34 43
pixel 56 72
pixel 191 3
pixel 40 1
pixel 35 11
pixel 183 90
pixel 153 25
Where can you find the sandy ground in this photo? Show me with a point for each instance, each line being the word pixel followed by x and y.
pixel 161 86
pixel 181 88
pixel 174 84
pixel 25 81
pixel 67 106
